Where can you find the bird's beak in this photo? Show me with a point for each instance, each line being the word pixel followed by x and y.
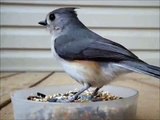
pixel 44 23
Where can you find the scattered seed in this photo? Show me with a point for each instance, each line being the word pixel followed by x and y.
pixel 84 97
pixel 32 97
pixel 41 94
pixel 52 100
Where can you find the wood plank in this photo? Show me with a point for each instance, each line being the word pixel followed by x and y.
pixel 6 113
pixel 146 108
pixel 7 74
pixel 20 81
pixel 58 78
pixel 144 79
pixel 148 101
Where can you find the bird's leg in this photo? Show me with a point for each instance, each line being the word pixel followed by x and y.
pixel 95 92
pixel 79 92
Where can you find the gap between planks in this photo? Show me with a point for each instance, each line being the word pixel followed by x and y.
pixel 6 102
pixel 10 74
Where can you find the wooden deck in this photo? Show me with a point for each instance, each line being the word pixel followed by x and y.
pixel 148 87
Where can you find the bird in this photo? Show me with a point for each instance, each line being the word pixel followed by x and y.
pixel 90 59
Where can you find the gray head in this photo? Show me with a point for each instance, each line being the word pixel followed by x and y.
pixel 60 20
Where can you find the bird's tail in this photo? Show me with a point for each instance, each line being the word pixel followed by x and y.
pixel 142 67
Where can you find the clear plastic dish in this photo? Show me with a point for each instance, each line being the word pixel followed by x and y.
pixel 121 109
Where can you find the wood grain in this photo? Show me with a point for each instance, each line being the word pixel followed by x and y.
pixel 58 78
pixel 6 113
pixel 20 81
pixel 149 97
pixel 8 74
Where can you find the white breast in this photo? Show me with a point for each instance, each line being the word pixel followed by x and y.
pixel 71 69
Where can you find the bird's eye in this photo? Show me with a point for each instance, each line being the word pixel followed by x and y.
pixel 52 17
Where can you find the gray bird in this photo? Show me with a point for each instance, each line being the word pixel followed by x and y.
pixel 90 59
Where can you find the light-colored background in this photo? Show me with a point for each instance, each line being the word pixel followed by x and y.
pixel 25 45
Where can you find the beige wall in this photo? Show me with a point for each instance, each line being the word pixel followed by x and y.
pixel 25 46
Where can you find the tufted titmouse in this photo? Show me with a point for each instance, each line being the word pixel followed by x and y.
pixel 90 59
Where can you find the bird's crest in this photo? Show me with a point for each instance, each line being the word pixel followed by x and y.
pixel 67 10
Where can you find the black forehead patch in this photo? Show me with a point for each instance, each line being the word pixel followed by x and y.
pixel 67 10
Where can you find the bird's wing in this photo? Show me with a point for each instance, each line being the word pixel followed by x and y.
pixel 88 49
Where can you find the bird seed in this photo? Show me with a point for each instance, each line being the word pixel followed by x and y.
pixel 84 97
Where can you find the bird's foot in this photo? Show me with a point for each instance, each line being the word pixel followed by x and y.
pixel 95 92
